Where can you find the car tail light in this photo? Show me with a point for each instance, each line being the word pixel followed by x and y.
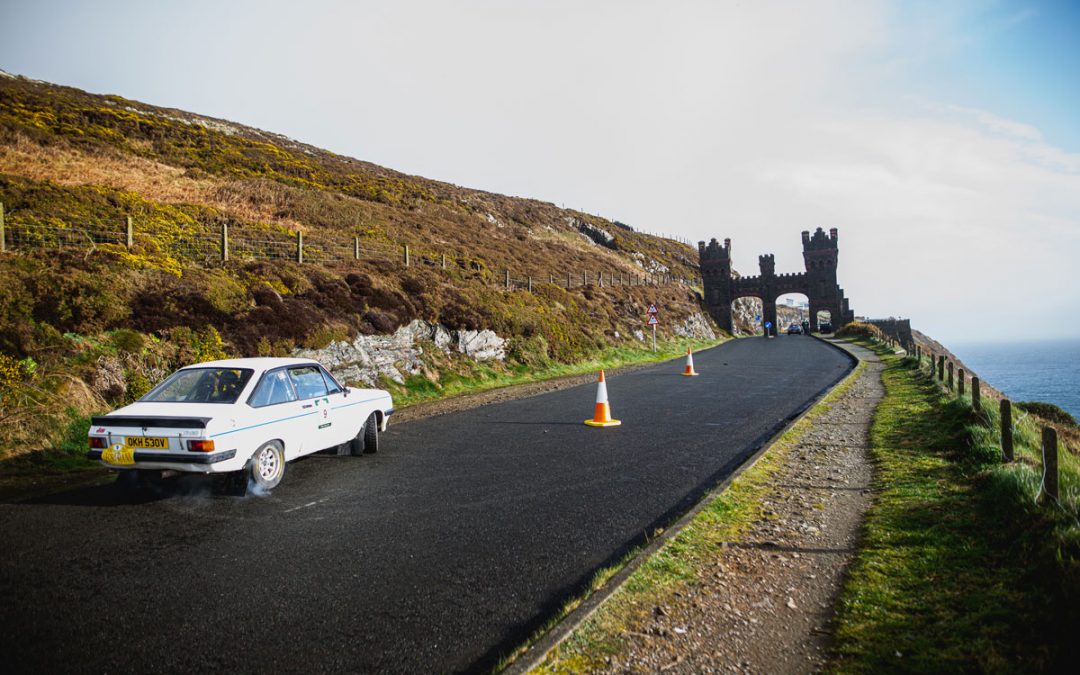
pixel 201 446
pixel 98 442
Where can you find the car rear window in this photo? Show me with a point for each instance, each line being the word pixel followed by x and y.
pixel 201 385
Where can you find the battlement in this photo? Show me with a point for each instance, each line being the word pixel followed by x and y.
pixel 714 251
pixel 767 263
pixel 819 241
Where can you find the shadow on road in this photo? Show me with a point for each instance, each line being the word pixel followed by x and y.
pixel 117 493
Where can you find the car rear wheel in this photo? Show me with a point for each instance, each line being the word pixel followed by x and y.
pixel 367 439
pixel 267 466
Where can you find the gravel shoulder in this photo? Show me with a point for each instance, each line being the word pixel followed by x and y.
pixel 764 602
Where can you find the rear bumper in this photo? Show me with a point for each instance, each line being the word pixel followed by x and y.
pixel 151 457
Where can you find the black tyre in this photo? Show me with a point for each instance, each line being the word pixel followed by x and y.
pixel 266 467
pixel 367 439
pixel 371 434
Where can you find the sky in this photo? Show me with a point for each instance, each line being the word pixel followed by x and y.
pixel 942 139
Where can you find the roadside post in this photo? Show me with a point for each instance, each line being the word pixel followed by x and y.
pixel 652 322
pixel 768 329
pixel 1050 462
pixel 1006 430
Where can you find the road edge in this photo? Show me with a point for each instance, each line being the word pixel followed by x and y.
pixel 538 651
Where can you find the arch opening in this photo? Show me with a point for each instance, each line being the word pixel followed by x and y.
pixel 792 310
pixel 746 315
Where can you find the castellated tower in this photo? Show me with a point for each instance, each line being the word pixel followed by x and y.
pixel 767 264
pixel 715 262
pixel 820 254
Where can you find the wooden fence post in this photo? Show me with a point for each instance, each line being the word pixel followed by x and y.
pixel 507 279
pixel 976 394
pixel 130 233
pixel 530 284
pixel 1006 430
pixel 551 278
pixel 960 382
pixel 224 242
pixel 569 280
pixel 585 278
pixel 1050 461
pixel 406 255
pixel 950 376
pixel 299 246
pixel 941 367
pixel 3 239
pixel 356 248
pixel 444 261
pixel 600 279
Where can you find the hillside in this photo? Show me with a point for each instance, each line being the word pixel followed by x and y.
pixel 89 319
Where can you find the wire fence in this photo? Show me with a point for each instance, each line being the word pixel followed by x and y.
pixel 203 247
pixel 1054 475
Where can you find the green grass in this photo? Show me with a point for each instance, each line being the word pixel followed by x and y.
pixel 480 377
pixel 675 565
pixel 959 570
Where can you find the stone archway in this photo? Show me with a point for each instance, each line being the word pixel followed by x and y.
pixel 817 283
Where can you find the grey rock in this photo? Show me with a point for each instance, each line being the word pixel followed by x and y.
pixel 368 357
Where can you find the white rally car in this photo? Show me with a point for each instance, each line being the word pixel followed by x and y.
pixel 241 420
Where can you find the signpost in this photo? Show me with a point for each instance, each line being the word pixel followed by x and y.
pixel 652 322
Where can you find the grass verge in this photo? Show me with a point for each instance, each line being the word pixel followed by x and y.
pixel 674 566
pixel 959 568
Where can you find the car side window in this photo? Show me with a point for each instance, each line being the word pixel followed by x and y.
pixel 273 388
pixel 331 384
pixel 308 381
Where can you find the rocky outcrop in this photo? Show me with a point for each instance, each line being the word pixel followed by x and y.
pixel 595 234
pixel 368 357
pixel 695 326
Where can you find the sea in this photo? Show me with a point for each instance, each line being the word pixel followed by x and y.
pixel 1047 371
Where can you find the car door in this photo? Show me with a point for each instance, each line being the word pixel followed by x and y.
pixel 343 427
pixel 318 425
pixel 277 413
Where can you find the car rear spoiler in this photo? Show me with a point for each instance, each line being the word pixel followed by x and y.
pixel 149 422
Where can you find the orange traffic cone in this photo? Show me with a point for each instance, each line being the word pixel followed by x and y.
pixel 689 371
pixel 602 416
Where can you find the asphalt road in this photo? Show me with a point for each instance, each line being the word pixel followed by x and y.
pixel 440 553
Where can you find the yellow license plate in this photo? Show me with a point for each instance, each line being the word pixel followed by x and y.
pixel 147 442
pixel 118 454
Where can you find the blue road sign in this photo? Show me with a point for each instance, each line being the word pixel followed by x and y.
pixel 768 324
pixel 757 318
